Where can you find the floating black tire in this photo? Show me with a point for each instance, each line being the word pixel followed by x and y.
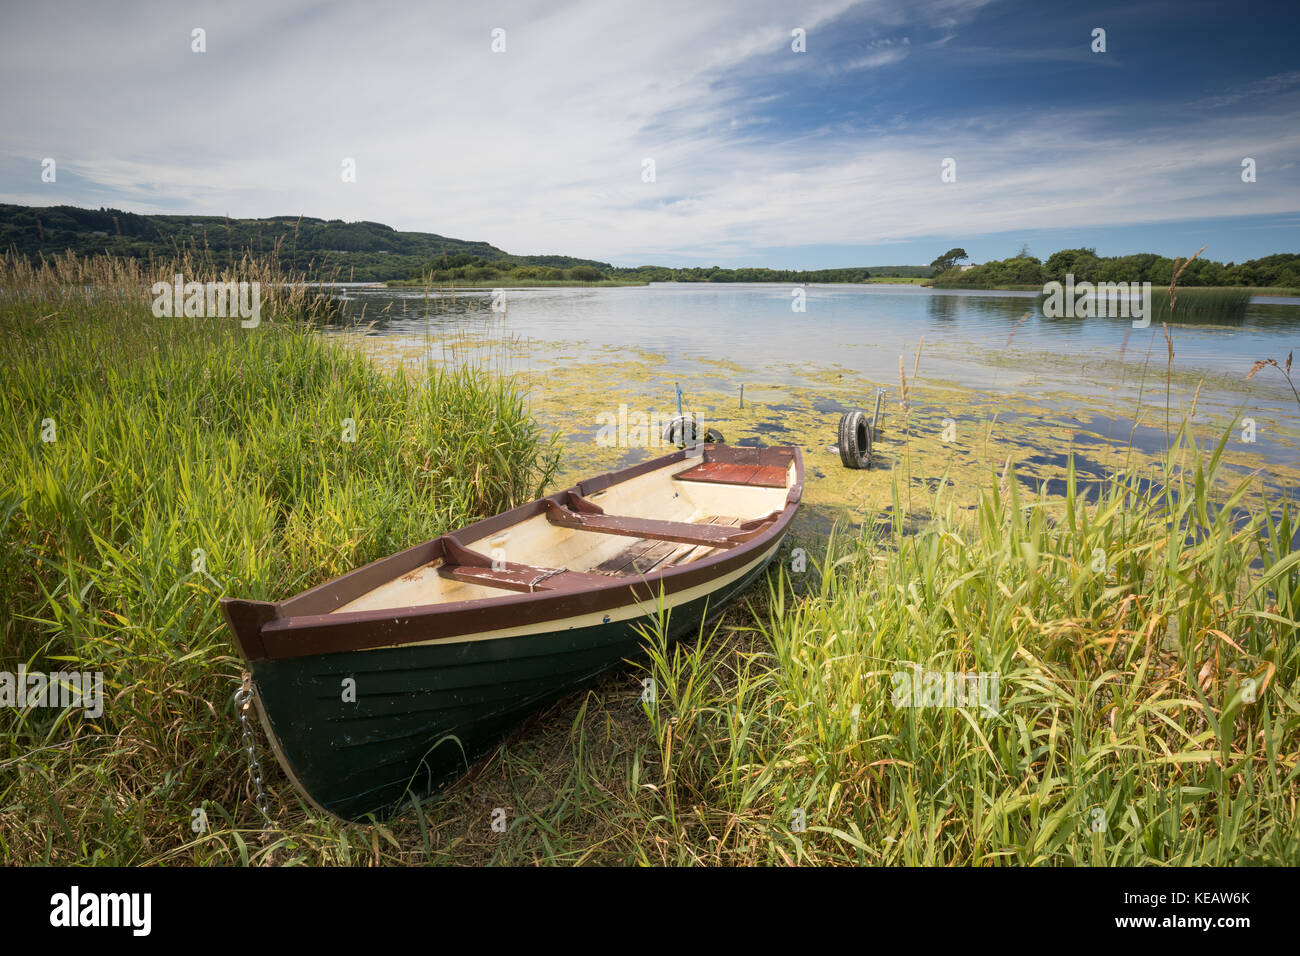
pixel 680 431
pixel 855 439
pixel 683 430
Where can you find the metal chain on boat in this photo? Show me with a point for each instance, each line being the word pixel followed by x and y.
pixel 243 704
pixel 532 585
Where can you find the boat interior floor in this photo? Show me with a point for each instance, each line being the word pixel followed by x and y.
pixel 636 560
pixel 664 518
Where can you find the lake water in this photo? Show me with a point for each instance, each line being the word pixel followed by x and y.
pixel 1016 385
pixel 975 340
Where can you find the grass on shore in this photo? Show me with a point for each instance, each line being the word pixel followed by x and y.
pixel 1146 709
pixel 1147 680
pixel 157 463
pixel 1147 706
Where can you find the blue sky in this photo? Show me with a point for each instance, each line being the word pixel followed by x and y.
pixel 762 155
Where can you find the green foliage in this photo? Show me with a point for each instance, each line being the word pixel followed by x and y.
pixel 744 274
pixel 315 248
pixel 358 251
pixel 1143 634
pixel 1217 306
pixel 1148 663
pixel 1085 265
pixel 900 272
pixel 509 270
pixel 522 269
pixel 176 434
pixel 1018 270
pixel 949 259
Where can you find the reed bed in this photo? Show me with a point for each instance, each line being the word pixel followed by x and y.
pixel 1146 711
pixel 1147 660
pixel 1142 634
pixel 157 463
pixel 1192 305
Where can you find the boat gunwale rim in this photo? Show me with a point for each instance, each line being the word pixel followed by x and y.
pixel 682 576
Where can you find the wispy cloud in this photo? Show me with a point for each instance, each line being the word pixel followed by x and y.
pixel 542 148
pixel 881 53
pixel 1267 87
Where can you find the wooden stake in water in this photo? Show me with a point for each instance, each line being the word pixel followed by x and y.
pixel 742 396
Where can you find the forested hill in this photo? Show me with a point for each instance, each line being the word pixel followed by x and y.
pixel 352 251
pixel 360 251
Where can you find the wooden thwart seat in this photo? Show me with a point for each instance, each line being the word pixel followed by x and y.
pixel 463 564
pixel 585 515
pixel 663 544
pixel 644 555
pixel 522 577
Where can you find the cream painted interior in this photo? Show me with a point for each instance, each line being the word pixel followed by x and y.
pixel 539 543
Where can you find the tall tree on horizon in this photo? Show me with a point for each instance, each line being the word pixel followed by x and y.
pixel 948 260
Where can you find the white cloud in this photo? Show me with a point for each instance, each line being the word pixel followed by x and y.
pixel 539 149
pixel 880 53
pixel 1269 86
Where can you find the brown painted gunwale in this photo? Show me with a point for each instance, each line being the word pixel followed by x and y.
pixel 266 630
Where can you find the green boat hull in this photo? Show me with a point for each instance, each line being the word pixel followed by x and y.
pixel 419 715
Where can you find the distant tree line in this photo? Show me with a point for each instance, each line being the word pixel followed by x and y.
pixel 451 268
pixel 743 274
pixel 357 251
pixel 372 251
pixel 316 248
pixel 1085 265
pixel 463 267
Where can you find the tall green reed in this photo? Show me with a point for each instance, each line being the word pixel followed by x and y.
pixel 161 462
pixel 1146 656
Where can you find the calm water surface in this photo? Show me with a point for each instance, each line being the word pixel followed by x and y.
pixel 976 340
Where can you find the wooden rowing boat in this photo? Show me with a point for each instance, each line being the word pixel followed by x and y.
pixel 381 685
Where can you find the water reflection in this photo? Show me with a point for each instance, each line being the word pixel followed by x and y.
pixel 942 308
pixel 972 340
